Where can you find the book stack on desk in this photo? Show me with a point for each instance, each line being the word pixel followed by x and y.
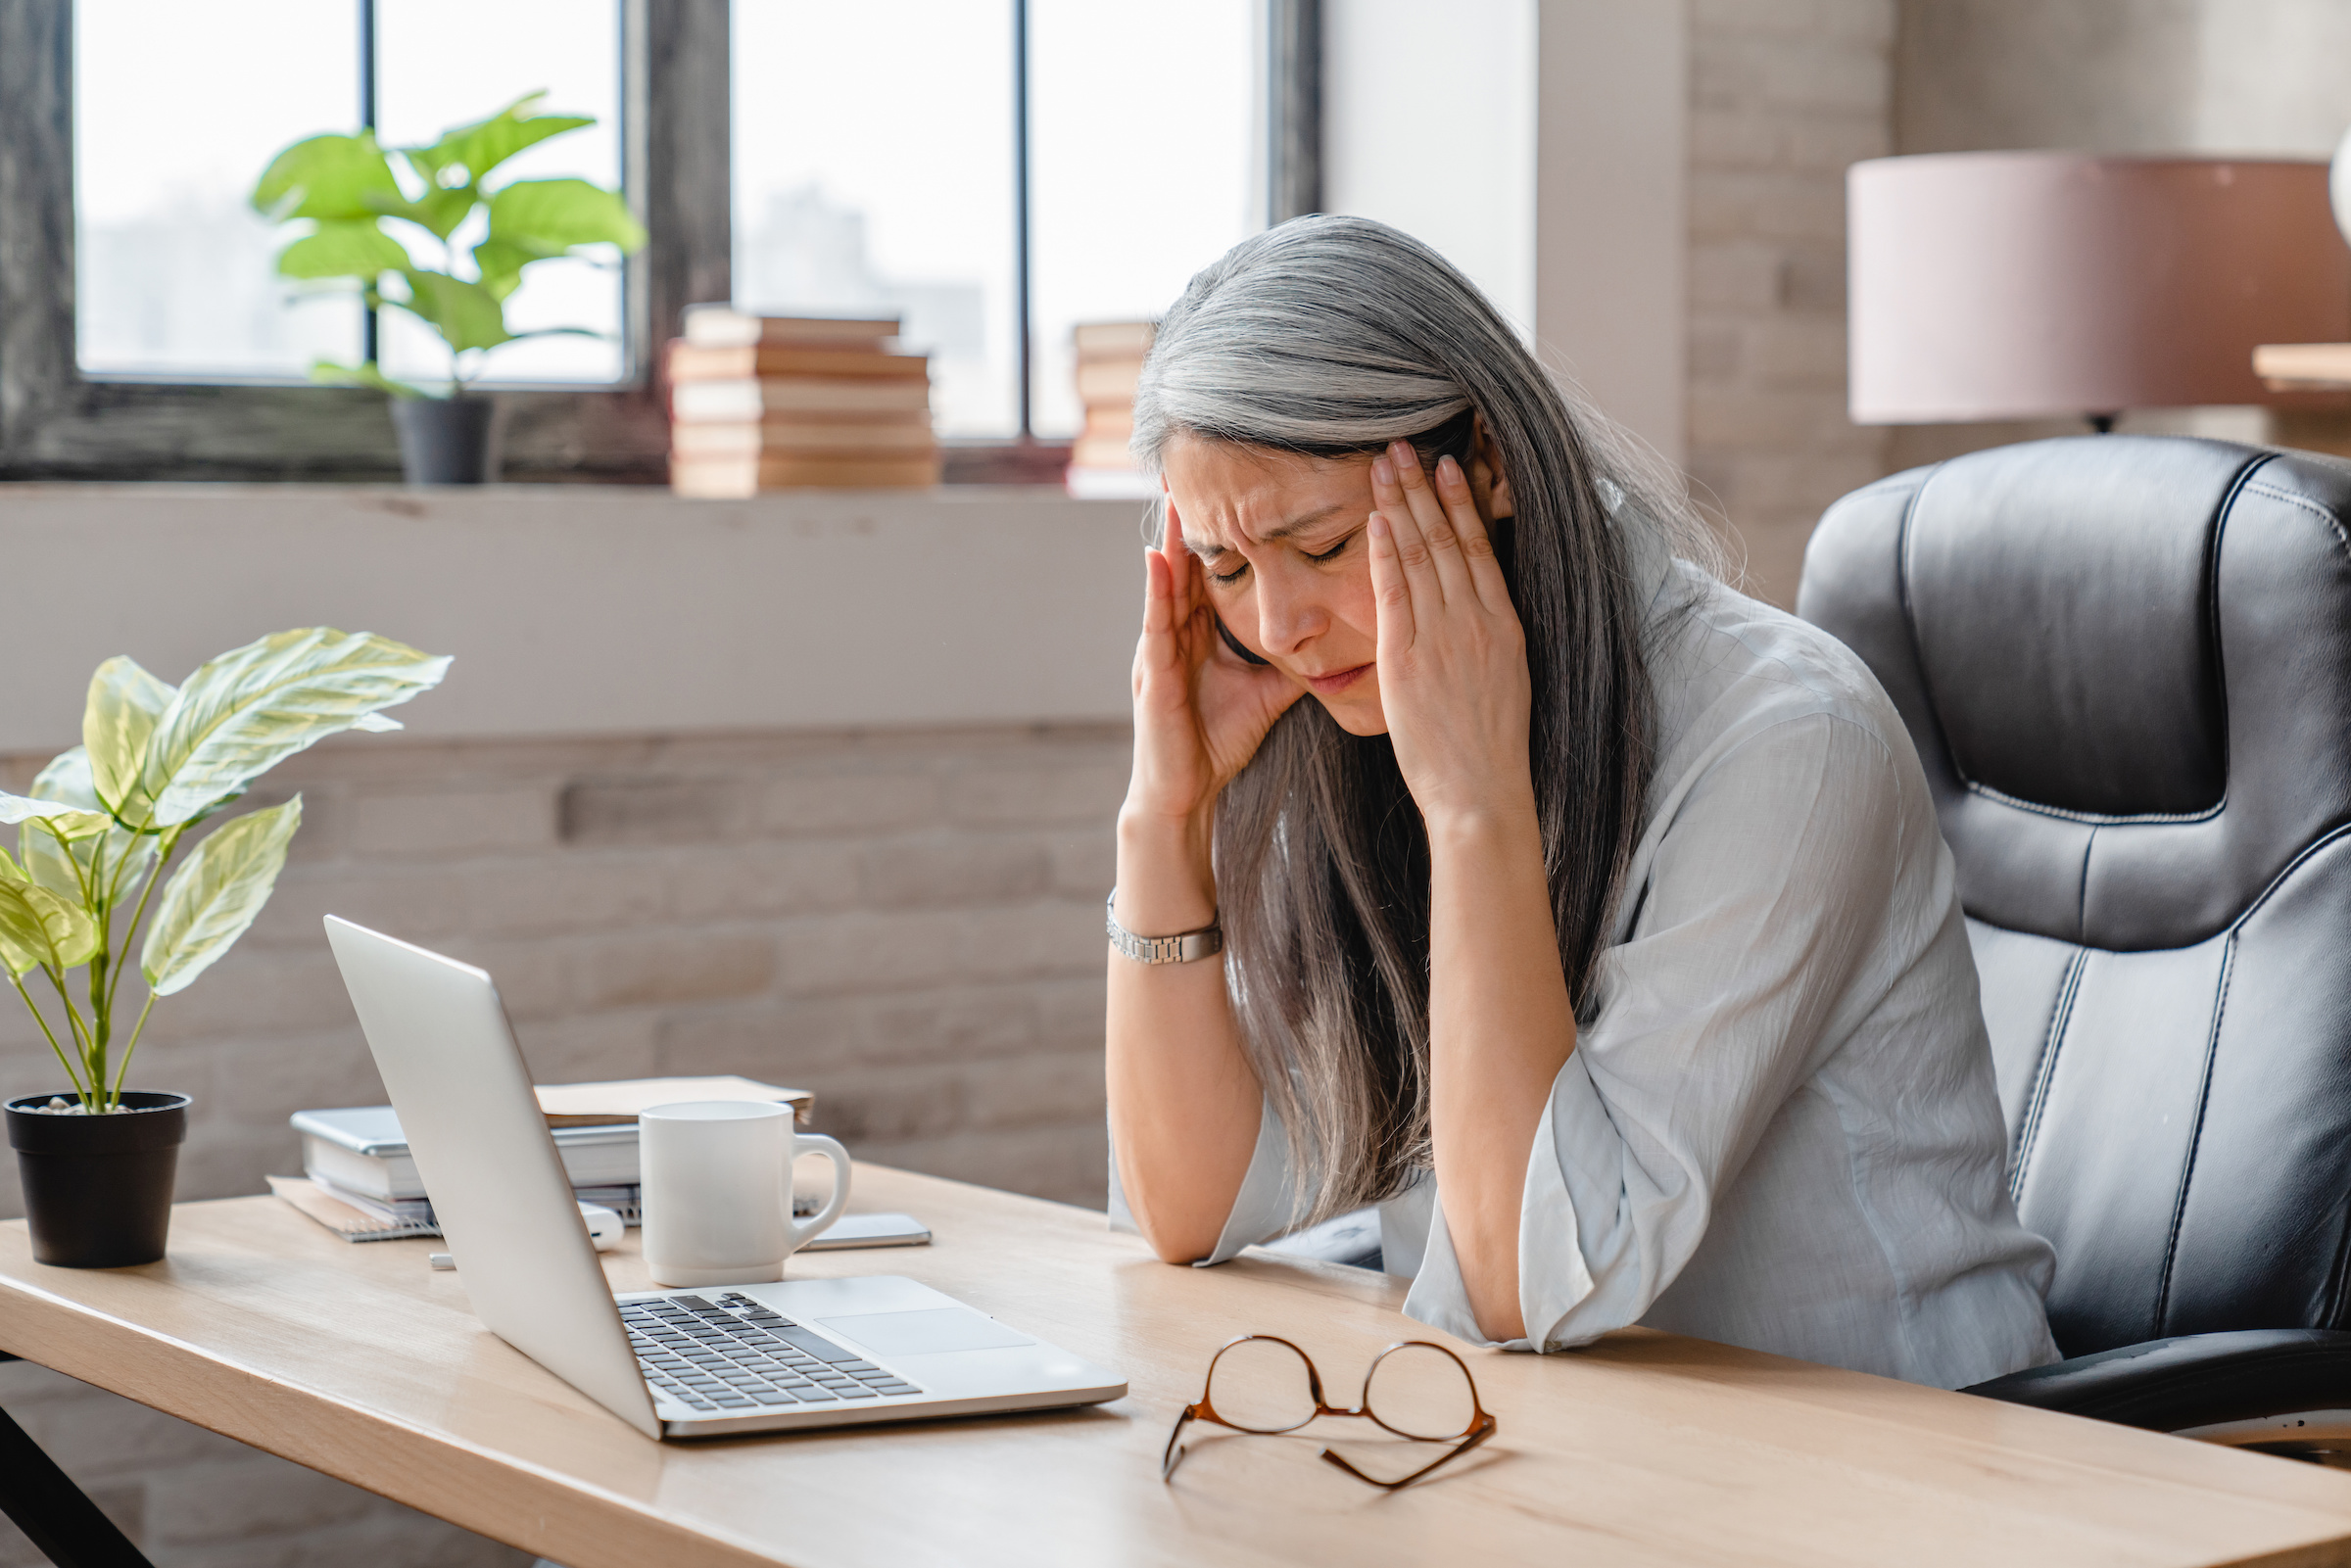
pixel 782 403
pixel 1110 362
pixel 357 1158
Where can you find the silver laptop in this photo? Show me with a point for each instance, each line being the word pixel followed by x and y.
pixel 679 1363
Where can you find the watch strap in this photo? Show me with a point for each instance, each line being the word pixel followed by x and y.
pixel 1182 948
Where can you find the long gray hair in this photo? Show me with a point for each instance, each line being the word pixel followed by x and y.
pixel 1333 336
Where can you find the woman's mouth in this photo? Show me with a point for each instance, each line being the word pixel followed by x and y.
pixel 1338 680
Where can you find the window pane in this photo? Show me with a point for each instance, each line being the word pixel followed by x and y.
pixel 445 63
pixel 1147 146
pixel 873 171
pixel 177 109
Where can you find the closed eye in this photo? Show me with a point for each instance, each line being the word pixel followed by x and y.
pixel 1227 579
pixel 1331 553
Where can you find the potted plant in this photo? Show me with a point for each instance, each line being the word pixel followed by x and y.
pixel 455 271
pixel 94 841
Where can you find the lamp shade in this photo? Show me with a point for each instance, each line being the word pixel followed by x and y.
pixel 2021 285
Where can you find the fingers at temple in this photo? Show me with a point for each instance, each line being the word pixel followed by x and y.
pixel 1412 552
pixel 1430 517
pixel 1391 592
pixel 1158 597
pixel 1477 543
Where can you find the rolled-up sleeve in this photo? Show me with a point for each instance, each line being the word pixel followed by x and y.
pixel 1267 1207
pixel 1766 895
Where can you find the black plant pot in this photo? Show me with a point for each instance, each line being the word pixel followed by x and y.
pixel 448 441
pixel 97 1189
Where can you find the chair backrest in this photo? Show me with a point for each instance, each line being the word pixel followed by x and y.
pixel 2126 662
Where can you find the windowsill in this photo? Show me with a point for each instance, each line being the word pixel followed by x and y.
pixel 594 609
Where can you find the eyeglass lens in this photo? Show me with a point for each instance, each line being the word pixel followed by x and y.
pixel 1262 1385
pixel 1417 1391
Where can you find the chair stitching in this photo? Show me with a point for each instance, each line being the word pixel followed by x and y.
pixel 1918 654
pixel 2336 1278
pixel 2082 892
pixel 2305 504
pixel 2196 1137
pixel 2028 1130
pixel 2098 818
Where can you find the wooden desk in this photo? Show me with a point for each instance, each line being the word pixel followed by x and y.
pixel 361 1361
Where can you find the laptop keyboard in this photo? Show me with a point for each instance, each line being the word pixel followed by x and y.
pixel 740 1354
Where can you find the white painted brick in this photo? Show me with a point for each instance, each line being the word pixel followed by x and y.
pixel 418 903
pixel 1730 18
pixel 576 891
pixel 435 824
pixel 1086 860
pixel 1049 1088
pixel 1084 789
pixel 590 1048
pixel 927 947
pixel 655 810
pixel 675 965
pixel 781 1042
pixel 849 802
pixel 945 868
pixel 961 1024
pixel 771 878
pixel 1069 1164
pixel 537 977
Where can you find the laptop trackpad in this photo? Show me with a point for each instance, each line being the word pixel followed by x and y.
pixel 924 1333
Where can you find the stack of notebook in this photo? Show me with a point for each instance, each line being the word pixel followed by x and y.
pixel 780 402
pixel 1110 362
pixel 364 1185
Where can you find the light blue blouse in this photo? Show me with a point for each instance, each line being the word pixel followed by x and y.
pixel 1780 1129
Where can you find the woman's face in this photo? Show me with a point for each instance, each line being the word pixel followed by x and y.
pixel 1286 560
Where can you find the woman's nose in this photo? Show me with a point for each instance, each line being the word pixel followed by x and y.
pixel 1286 620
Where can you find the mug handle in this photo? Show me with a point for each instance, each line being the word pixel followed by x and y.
pixel 816 1143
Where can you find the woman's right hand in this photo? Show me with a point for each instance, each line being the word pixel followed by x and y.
pixel 1200 712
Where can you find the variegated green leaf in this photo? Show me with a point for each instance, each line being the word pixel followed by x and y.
pixel 38 926
pixel 91 870
pixel 214 895
pixel 123 704
pixel 70 819
pixel 251 709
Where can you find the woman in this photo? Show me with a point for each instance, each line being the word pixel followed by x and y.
pixel 1588 917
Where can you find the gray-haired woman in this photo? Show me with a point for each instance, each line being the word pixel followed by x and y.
pixel 1590 919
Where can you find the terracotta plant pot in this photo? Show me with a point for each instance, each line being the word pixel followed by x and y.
pixel 97 1189
pixel 448 441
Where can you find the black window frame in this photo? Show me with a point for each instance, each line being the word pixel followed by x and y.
pixel 676 128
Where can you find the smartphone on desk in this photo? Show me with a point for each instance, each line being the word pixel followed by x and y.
pixel 869 1230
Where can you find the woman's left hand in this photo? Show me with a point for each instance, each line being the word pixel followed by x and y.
pixel 1452 660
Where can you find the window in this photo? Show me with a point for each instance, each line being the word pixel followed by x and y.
pixel 858 187
pixel 442 62
pixel 173 268
pixel 789 153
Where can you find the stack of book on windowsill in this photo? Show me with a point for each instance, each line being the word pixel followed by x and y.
pixel 362 1183
pixel 786 402
pixel 1110 360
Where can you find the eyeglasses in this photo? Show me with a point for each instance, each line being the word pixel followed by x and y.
pixel 1262 1384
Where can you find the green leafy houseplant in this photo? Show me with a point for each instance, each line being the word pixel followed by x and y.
pixel 105 819
pixel 348 190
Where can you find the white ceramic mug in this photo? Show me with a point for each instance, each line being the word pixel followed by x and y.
pixel 716 1179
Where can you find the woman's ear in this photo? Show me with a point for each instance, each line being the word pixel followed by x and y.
pixel 1488 483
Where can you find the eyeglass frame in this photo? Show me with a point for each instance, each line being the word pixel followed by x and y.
pixel 1481 1422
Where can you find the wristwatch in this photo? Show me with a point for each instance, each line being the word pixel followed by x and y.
pixel 1206 942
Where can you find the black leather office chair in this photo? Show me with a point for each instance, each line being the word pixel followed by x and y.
pixel 2126 662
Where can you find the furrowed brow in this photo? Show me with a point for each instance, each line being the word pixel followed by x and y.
pixel 1299 525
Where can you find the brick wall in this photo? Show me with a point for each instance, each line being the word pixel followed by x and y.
pixel 907 924
pixel 1784 95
